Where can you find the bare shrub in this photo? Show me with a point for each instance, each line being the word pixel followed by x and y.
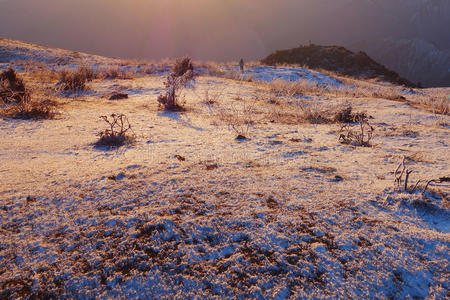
pixel 182 75
pixel 12 88
pixel 359 134
pixel 75 80
pixel 346 115
pixel 36 109
pixel 402 178
pixel 116 72
pixel 117 134
pixel 17 101
pixel 440 105
pixel 238 119
pixel 182 66
pixel 212 96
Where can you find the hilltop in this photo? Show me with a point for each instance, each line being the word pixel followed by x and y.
pixel 273 184
pixel 409 37
pixel 19 51
pixel 336 59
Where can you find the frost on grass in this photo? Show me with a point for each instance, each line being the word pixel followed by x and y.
pixel 181 76
pixel 187 212
pixel 20 102
pixel 183 240
pixel 117 134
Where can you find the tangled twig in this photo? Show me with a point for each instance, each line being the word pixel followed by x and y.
pixel 398 178
pixel 116 134
pixel 360 138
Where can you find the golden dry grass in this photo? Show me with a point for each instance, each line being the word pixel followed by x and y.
pixel 40 105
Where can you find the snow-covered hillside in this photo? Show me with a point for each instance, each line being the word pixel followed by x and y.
pixel 188 211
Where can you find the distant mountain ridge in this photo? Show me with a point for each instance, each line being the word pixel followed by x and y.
pixel 418 60
pixel 410 37
pixel 336 59
pixel 418 44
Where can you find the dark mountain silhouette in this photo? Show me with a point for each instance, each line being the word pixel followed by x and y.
pixel 410 37
pixel 336 59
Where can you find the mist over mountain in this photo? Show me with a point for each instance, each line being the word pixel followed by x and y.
pixel 409 36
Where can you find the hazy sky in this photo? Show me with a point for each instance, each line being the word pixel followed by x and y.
pixel 204 29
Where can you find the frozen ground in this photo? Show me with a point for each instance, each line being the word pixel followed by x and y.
pixel 289 213
pixel 269 73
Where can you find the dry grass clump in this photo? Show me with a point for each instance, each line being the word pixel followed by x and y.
pixel 346 115
pixel 182 66
pixel 238 118
pixel 12 88
pixel 36 109
pixel 212 69
pixel 314 114
pixel 116 72
pixel 359 134
pixel 118 132
pixel 226 71
pixel 75 80
pixel 181 76
pixel 435 100
pixel 285 88
pixel 439 104
pixel 17 101
pixel 352 88
pixel 39 70
pixel 287 110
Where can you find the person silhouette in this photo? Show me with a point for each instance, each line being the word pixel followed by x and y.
pixel 241 65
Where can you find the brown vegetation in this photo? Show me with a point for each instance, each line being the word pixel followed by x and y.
pixel 181 75
pixel 118 132
pixel 115 72
pixel 12 88
pixel 75 80
pixel 359 134
pixel 238 119
pixel 19 102
pixel 336 59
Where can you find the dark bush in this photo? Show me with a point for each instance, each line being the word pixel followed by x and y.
pixel 75 80
pixel 16 100
pixel 12 88
pixel 346 115
pixel 181 76
pixel 117 134
pixel 182 66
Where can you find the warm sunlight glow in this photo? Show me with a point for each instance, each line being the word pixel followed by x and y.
pixel 224 149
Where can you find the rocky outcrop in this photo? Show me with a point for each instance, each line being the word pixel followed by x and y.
pixel 336 59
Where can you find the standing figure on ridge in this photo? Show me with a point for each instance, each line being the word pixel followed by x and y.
pixel 241 65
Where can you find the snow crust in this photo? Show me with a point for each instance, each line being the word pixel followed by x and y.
pixel 288 213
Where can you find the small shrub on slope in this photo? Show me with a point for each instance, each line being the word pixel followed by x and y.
pixel 359 134
pixel 182 66
pixel 12 88
pixel 75 80
pixel 17 101
pixel 118 132
pixel 182 74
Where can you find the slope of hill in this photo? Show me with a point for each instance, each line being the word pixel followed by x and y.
pixel 18 51
pixel 236 28
pixel 189 211
pixel 336 59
